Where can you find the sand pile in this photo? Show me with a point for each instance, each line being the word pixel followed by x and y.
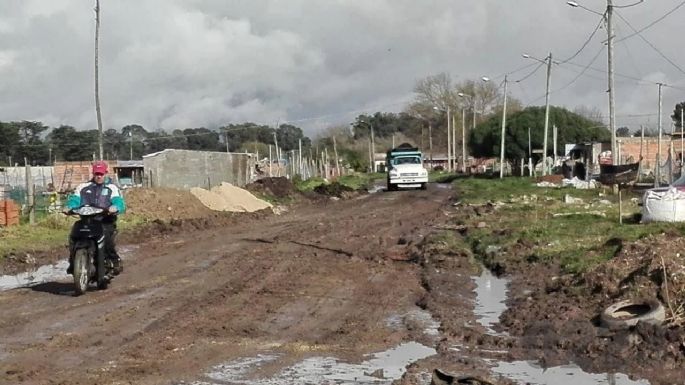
pixel 227 197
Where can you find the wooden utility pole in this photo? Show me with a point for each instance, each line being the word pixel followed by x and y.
pixel 98 113
pixel 337 160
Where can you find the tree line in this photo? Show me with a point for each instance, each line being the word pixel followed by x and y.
pixel 42 145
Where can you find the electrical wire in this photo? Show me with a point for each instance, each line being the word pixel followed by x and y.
pixel 531 73
pixel 652 23
pixel 589 39
pixel 581 72
pixel 650 44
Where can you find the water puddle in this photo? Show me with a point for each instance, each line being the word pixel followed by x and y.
pixel 376 188
pixel 48 273
pixel 491 293
pixel 529 373
pixel 382 368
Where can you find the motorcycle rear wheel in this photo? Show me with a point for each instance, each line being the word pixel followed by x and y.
pixel 81 277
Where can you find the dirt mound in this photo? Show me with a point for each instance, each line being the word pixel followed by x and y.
pixel 227 197
pixel 556 179
pixel 164 204
pixel 279 187
pixel 335 189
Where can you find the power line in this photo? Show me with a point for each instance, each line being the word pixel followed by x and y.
pixel 589 39
pixel 581 72
pixel 652 23
pixel 650 44
pixel 531 73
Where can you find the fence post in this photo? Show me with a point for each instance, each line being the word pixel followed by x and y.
pixel 29 193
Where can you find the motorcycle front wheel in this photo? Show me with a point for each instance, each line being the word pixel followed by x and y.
pixel 81 277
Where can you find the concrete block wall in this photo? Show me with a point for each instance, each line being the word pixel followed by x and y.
pixel 184 169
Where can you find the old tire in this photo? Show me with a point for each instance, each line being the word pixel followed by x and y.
pixel 81 276
pixel 627 313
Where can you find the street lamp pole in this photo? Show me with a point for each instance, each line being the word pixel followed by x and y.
pixel 463 143
pixel 610 64
pixel 504 124
pixel 544 150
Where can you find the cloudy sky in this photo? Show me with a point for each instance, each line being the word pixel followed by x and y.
pixel 190 63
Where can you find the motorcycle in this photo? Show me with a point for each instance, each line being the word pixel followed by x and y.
pixel 86 249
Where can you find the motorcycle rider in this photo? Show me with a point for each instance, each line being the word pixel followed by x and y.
pixel 100 192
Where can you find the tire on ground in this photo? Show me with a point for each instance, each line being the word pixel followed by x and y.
pixel 627 313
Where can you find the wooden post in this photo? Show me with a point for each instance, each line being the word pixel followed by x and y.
pixel 270 162
pixel 620 207
pixel 30 194
pixel 326 161
pixel 335 152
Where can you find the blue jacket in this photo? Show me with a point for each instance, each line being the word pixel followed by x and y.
pixel 102 196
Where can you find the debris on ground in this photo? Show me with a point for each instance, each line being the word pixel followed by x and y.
pixel 227 197
pixel 663 205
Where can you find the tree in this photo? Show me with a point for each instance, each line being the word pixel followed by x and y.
pixel 71 145
pixel 289 136
pixel 573 128
pixel 623 131
pixel 676 114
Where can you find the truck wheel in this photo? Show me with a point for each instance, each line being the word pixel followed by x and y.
pixel 392 187
pixel 423 186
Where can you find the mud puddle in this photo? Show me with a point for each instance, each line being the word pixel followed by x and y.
pixel 49 273
pixel 491 294
pixel 381 368
pixel 530 373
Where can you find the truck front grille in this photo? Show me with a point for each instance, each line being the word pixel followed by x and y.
pixel 409 174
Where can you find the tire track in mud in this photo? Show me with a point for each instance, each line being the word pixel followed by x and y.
pixel 190 300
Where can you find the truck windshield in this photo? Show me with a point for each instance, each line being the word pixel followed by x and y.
pixel 407 160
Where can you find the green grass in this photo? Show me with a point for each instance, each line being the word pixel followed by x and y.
pixel 357 181
pixel 50 231
pixel 525 215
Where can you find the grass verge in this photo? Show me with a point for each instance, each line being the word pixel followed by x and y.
pixel 576 229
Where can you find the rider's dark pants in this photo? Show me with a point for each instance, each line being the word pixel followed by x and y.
pixel 110 229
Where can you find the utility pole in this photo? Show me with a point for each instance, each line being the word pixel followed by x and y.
pixel 454 141
pixel 463 136
pixel 226 138
pixel 130 144
pixel 373 149
pixel 504 124
pixel 544 140
pixel 610 63
pixel 97 77
pixel 337 160
pixel 430 141
pixel 682 139
pixel 554 144
pixel 449 139
pixel 657 171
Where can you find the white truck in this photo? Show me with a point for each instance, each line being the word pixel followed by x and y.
pixel 405 168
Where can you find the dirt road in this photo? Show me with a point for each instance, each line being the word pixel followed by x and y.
pixel 321 279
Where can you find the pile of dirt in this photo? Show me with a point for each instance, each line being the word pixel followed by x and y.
pixel 336 189
pixel 279 187
pixel 164 204
pixel 227 197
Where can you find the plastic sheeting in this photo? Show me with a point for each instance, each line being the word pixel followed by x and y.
pixel 663 205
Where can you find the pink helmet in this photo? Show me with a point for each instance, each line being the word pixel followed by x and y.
pixel 100 167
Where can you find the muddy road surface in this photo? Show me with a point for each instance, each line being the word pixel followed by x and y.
pixel 332 279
